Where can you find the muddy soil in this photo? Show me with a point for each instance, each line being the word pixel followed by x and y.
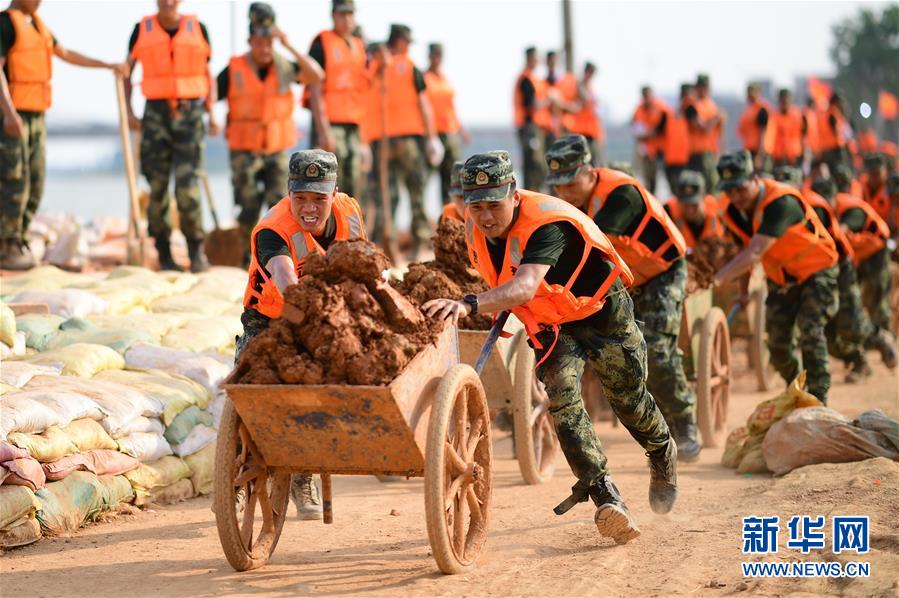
pixel 709 256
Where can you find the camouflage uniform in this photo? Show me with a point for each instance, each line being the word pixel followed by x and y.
pixel 451 154
pixel 532 138
pixel 874 279
pixel 22 170
pixel 347 148
pixel 406 163
pixel 850 329
pixel 173 140
pixel 258 180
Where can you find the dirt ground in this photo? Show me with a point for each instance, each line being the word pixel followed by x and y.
pixel 174 551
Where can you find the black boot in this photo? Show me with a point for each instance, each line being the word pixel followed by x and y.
pixel 12 257
pixel 886 346
pixel 663 478
pixel 684 432
pixel 612 518
pixel 858 369
pixel 197 256
pixel 166 261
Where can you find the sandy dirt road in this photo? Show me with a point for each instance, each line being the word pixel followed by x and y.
pixel 175 551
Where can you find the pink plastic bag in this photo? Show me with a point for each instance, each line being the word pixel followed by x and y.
pixel 25 472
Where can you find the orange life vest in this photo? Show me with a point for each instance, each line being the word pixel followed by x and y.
pixel 29 63
pixel 269 302
pixel 649 118
pixel 867 141
pixel 260 117
pixel 800 252
pixel 566 89
pixel 403 113
pixel 541 116
pixel 787 134
pixel 844 246
pixel 346 78
pixel 554 304
pixel 175 67
pixel 645 263
pixel 873 235
pixel 830 138
pixel 677 139
pixel 450 212
pixel 877 199
pixel 812 139
pixel 585 121
pixel 889 149
pixel 372 126
pixel 749 131
pixel 441 94
pixel 712 227
pixel 704 141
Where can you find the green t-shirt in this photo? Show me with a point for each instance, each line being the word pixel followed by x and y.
pixel 621 214
pixel 779 215
pixel 854 219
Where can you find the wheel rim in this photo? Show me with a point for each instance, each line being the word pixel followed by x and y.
pixel 466 489
pixel 719 384
pixel 543 431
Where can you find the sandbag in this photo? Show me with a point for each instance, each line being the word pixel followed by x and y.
pixel 162 473
pixel 145 447
pixel 191 303
pixel 198 438
pixel 68 504
pixel 154 325
pixel 878 422
pixel 141 424
pixel 68 303
pixel 768 412
pixel 225 286
pixel 6 388
pixel 42 278
pixel 205 334
pixel 7 325
pixel 16 502
pixel 175 392
pixel 39 329
pixel 80 359
pixel 68 405
pixel 821 435
pixel 4 473
pixel 117 489
pixel 8 452
pixel 202 468
pixel 79 330
pixel 50 445
pixel 19 373
pixel 25 472
pixel 217 407
pixel 99 462
pixel 177 492
pixel 733 447
pixel 21 413
pixel 206 369
pixel 88 435
pixel 26 532
pixel 121 299
pixel 187 420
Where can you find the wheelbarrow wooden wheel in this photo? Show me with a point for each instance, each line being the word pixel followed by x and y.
pixel 759 357
pixel 535 435
pixel 713 378
pixel 250 500
pixel 458 470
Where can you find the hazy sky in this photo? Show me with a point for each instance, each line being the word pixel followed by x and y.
pixel 632 42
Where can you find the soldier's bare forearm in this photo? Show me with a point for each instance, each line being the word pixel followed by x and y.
pixel 6 105
pixel 516 292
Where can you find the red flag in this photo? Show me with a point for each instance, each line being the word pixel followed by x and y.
pixel 888 104
pixel 819 91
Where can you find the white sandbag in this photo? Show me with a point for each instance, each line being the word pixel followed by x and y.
pixel 68 303
pixel 176 392
pixel 198 438
pixel 217 407
pixel 67 405
pixel 23 414
pixel 6 351
pixel 7 325
pixel 150 425
pixel 144 446
pixel 19 373
pixel 205 368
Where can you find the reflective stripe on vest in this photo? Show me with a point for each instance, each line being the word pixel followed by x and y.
pixel 175 67
pixel 260 117
pixel 29 62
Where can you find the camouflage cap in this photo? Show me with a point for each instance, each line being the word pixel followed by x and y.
pixel 398 31
pixel 622 166
pixel 734 168
pixel 487 177
pixel 690 187
pixel 343 6
pixel 564 157
pixel 893 183
pixel 790 175
pixel 262 19
pixel 825 188
pixel 874 162
pixel 455 187
pixel 842 176
pixel 312 170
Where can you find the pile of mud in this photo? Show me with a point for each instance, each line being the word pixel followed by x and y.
pixel 449 276
pixel 709 256
pixel 342 324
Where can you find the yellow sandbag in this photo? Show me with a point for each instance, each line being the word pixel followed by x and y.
pixel 768 412
pixel 5 388
pixel 159 474
pixel 181 281
pixel 50 445
pixel 154 325
pixel 202 467
pixel 191 303
pixel 16 502
pixel 116 489
pixel 26 531
pixel 80 359
pixel 122 299
pixel 87 435
pixel 177 392
pixel 733 447
pixel 204 334
pixel 42 278
pixel 753 462
pixel 7 325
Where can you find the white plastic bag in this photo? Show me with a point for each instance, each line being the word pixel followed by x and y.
pixel 68 405
pixel 141 424
pixel 19 373
pixel 23 414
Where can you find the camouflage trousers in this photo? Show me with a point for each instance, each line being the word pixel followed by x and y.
pixel 876 285
pixel 658 304
pixel 173 141
pixel 23 165
pixel 850 329
pixel 649 168
pixel 617 353
pixel 705 163
pixel 258 180
pixel 347 148
pixel 805 307
pixel 452 152
pixel 405 163
pixel 532 140
pixel 253 324
pixel 835 157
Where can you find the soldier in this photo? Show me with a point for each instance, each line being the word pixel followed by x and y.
pixel 26 54
pixel 450 131
pixel 532 117
pixel 583 118
pixel 653 249
pixel 529 248
pixel 311 217
pixel 756 128
pixel 777 227
pixel 172 124
pixel 873 185
pixel 675 129
pixel 455 208
pixel 648 123
pixel 834 133
pixel 260 126
pixel 694 212
pixel 790 130
pixel 338 104
pixel 706 125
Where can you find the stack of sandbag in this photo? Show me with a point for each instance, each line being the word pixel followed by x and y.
pixel 11 341
pixel 743 448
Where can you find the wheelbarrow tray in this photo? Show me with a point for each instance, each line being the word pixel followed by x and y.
pixel 343 429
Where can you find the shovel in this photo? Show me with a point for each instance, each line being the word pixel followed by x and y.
pixel 135 242
pixel 224 247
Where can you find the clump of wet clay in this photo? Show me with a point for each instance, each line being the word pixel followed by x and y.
pixel 449 276
pixel 342 324
pixel 709 256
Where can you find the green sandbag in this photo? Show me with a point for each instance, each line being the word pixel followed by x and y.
pixel 117 489
pixel 50 445
pixel 39 329
pixel 7 325
pixel 68 504
pixel 16 502
pixel 79 330
pixel 186 421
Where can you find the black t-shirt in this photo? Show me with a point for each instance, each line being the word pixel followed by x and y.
pixel 8 37
pixel 779 215
pixel 528 97
pixel 223 81
pixel 691 114
pixel 622 213
pixel 854 219
pixel 761 118
pixel 134 34
pixel 695 227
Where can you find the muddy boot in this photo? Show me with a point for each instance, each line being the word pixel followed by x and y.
pixel 684 432
pixel 612 517
pixel 305 496
pixel 166 261
pixel 197 256
pixel 663 478
pixel 12 257
pixel 886 346
pixel 858 370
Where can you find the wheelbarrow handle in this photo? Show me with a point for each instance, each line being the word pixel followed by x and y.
pixel 732 314
pixel 495 331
